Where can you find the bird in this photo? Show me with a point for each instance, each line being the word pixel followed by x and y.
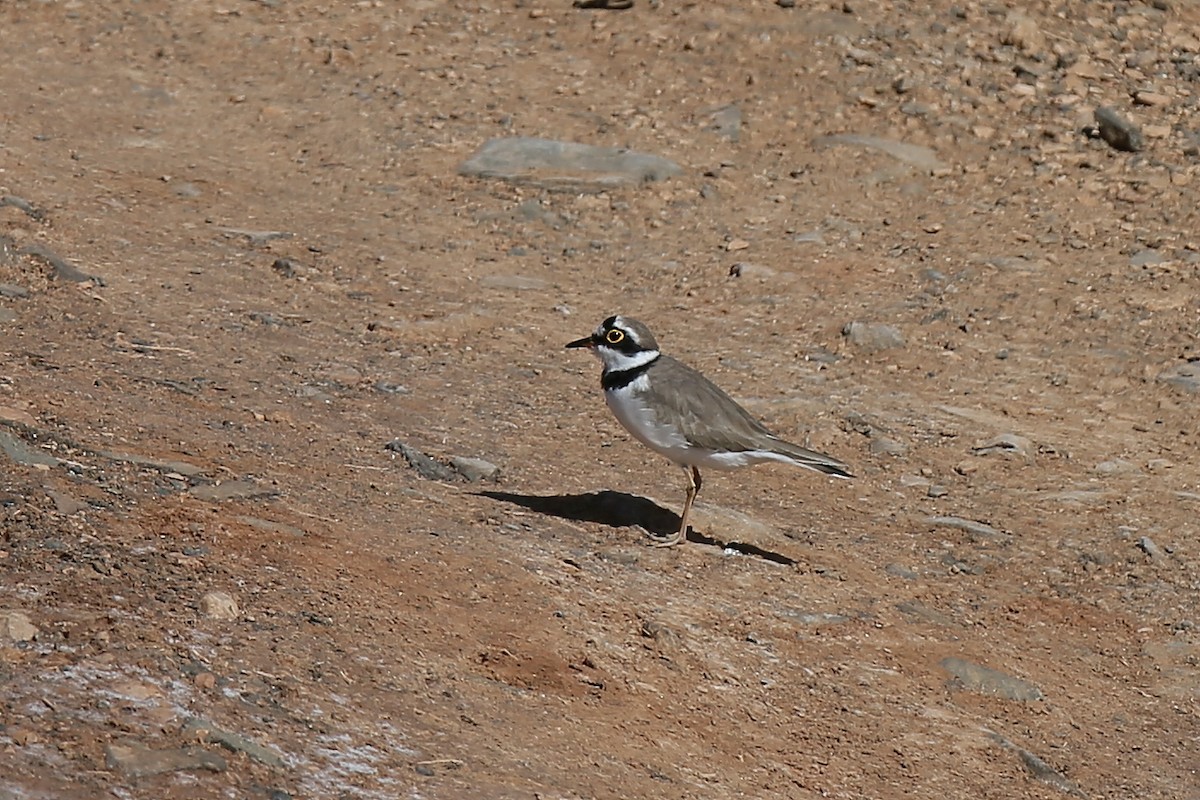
pixel 677 412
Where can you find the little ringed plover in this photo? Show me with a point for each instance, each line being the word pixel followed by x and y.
pixel 674 410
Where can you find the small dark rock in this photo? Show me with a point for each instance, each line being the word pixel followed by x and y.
pixel 1119 132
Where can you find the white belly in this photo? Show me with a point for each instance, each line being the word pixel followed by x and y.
pixel 646 428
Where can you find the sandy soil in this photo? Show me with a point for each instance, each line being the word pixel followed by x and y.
pixel 237 261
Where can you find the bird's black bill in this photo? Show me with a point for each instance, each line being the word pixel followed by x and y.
pixel 584 342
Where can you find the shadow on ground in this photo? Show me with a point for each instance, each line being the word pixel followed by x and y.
pixel 615 509
pixel 621 510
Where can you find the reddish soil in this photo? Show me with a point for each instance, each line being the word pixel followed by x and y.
pixel 288 273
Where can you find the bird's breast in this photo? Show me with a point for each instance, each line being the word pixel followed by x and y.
pixel 630 408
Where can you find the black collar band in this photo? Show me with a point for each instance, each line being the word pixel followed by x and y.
pixel 619 379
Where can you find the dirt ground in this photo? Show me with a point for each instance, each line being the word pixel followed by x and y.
pixel 238 261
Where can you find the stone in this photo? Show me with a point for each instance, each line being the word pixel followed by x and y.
pixel 1118 132
pixel 1184 376
pixel 205 731
pixel 1006 443
pixel 425 466
pixel 873 337
pixel 976 530
pixel 220 606
pixel 135 760
pixel 231 490
pixel 23 454
pixel 985 680
pixel 519 283
pixel 1037 767
pixel 15 626
pixel 726 122
pixel 565 166
pixel 475 469
pixel 915 155
pixel 1147 546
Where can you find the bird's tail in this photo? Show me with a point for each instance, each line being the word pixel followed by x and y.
pixel 811 459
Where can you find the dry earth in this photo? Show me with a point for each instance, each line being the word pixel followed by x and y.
pixel 283 272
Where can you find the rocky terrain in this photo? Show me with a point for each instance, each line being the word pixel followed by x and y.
pixel 302 496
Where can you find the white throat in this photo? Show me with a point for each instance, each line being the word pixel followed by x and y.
pixel 616 361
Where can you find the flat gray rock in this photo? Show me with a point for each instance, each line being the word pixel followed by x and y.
pixel 565 166
pixel 976 530
pixel 985 680
pixel 1183 376
pixel 232 490
pixel 18 451
pixel 136 760
pixel 923 158
pixel 202 729
pixel 475 469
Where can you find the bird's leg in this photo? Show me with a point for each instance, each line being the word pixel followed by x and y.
pixel 694 484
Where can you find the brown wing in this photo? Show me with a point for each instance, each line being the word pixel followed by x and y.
pixel 706 416
pixel 711 419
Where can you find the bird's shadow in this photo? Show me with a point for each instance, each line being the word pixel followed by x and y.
pixel 615 509
pixel 621 510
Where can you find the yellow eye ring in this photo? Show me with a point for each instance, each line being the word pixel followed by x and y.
pixel 614 336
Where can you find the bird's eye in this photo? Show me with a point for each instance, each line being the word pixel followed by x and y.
pixel 615 336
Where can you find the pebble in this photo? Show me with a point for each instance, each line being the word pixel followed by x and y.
pixel 1006 443
pixel 15 626
pixel 726 122
pixel 1119 132
pixel 1151 99
pixel 873 337
pixel 985 680
pixel 1115 466
pixel 13 291
pixel 475 469
pixel 901 571
pixel 1147 546
pixel 565 166
pixel 1024 33
pixel 976 530
pixel 746 269
pixel 219 605
pixel 885 446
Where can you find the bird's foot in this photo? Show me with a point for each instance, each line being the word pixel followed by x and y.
pixel 678 538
